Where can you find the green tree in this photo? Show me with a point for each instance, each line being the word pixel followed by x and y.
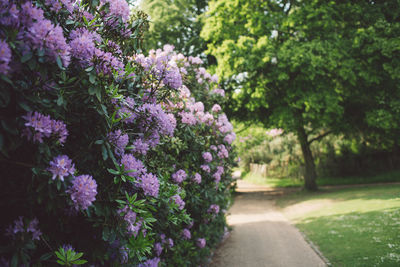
pixel 292 64
pixel 175 22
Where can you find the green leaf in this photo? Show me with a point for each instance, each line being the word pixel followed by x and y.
pixel 104 109
pixel 89 69
pixel 4 97
pixel 106 233
pixel 24 106
pixel 92 90
pixel 59 255
pixel 60 100
pixel 79 262
pixel 60 262
pixel 98 94
pixel 59 62
pixel 26 57
pixel 46 256
pixel 6 79
pixel 113 171
pixel 92 78
pixel 99 142
pixel 104 152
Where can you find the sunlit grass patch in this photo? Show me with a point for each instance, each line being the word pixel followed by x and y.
pixel 255 178
pixel 353 226
pixel 272 181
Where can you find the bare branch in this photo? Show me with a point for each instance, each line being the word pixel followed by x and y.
pixel 319 137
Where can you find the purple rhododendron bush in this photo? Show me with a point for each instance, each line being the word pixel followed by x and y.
pixel 108 157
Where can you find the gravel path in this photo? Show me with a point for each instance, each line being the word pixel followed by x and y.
pixel 261 235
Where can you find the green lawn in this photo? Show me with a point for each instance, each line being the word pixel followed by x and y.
pixel 393 176
pixel 352 226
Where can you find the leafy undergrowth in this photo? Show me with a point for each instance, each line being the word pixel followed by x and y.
pixel 352 226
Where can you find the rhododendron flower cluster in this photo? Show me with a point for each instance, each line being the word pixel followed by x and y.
pixel 83 191
pixel 214 208
pixel 19 227
pixel 5 57
pixel 179 176
pixel 160 64
pixel 201 242
pixel 178 201
pixel 61 166
pixel 148 157
pixel 207 156
pixel 40 126
pixel 197 178
pixel 186 234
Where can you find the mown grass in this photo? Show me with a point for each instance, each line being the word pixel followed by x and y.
pixel 393 176
pixel 351 226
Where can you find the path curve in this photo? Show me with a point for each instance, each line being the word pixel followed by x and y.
pixel 261 235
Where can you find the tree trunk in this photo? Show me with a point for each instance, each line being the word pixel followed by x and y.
pixel 310 174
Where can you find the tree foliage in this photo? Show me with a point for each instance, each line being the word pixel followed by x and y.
pixel 309 67
pixel 175 22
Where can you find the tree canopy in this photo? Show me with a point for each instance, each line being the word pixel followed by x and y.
pixel 175 22
pixel 309 67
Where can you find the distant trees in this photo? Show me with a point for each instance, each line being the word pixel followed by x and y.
pixel 310 67
pixel 175 22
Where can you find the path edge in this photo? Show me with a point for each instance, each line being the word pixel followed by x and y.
pixel 313 246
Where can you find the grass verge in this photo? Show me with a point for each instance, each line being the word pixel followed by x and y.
pixel 351 226
pixel 393 176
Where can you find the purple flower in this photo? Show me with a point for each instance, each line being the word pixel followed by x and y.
pixel 9 14
pixel 223 124
pixel 30 14
pixel 158 248
pixel 61 166
pixel 82 46
pixel 207 156
pixel 205 168
pixel 195 60
pixel 43 35
pixel 59 128
pixel 150 263
pixel 179 176
pixel 107 63
pixel 68 247
pixel 150 185
pixel 118 8
pixel 83 191
pixel 188 118
pixel 139 146
pixel 123 255
pixel 201 242
pixel 214 208
pixel 170 242
pixel 130 219
pixel 230 138
pixel 216 108
pixel 197 178
pixel 119 140
pixel 43 126
pixel 220 92
pixel 178 201
pixel 218 173
pixel 19 227
pixel 186 234
pixel 223 152
pixel 133 165
pixel 5 57
pixel 33 228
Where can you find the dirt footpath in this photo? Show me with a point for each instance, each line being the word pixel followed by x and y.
pixel 261 235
